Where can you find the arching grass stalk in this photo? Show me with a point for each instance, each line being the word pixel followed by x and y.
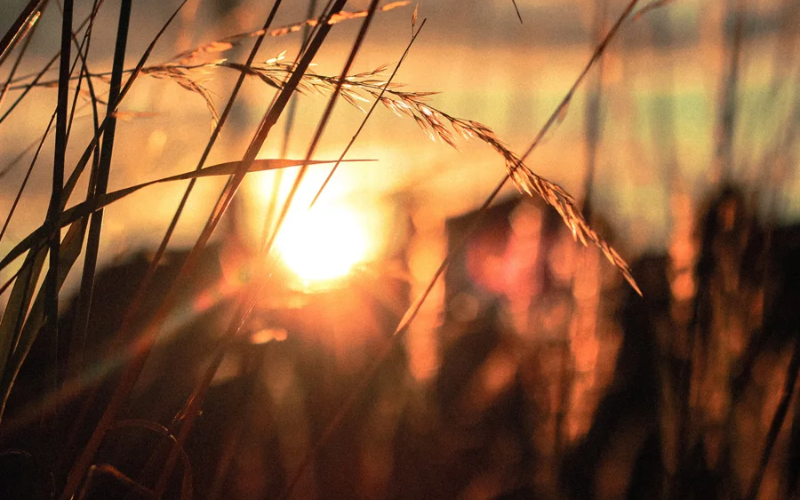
pixel 371 372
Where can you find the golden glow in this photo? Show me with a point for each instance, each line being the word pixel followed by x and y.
pixel 323 244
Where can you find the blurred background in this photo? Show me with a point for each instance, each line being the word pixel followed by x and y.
pixel 532 369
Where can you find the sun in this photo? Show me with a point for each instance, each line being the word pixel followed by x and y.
pixel 324 243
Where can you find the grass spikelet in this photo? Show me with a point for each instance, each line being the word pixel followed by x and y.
pixel 369 86
pixel 555 196
pixel 186 78
pixel 229 42
pixel 438 125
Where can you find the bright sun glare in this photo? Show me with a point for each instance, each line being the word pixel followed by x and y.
pixel 324 243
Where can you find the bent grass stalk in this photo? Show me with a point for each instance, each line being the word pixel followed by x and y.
pixel 438 125
pixel 370 374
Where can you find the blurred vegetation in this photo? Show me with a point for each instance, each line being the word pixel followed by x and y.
pixel 482 354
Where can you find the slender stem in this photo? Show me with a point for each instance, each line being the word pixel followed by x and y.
pixel 39 75
pixel 81 323
pixel 18 30
pixel 17 62
pixel 78 472
pixel 323 122
pixel 383 90
pixel 100 184
pixel 21 189
pixel 781 411
pixel 277 180
pixel 723 166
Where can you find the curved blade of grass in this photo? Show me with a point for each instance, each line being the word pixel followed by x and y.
pixel 20 56
pixel 44 70
pixel 49 292
pixel 88 207
pixel 18 304
pixel 68 254
pixel 186 484
pixel 16 33
pixel 98 184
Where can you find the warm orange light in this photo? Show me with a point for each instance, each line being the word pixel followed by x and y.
pixel 323 244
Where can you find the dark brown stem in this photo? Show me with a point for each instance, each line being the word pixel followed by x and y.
pixel 20 28
pixel 775 426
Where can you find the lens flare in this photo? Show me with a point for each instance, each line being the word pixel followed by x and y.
pixel 323 244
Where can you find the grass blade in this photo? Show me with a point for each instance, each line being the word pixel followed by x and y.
pixel 516 9
pixel 99 184
pixel 51 285
pixel 77 340
pixel 21 189
pixel 41 73
pixel 18 304
pixel 792 372
pixel 18 61
pixel 16 33
pixel 38 319
pixel 88 207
